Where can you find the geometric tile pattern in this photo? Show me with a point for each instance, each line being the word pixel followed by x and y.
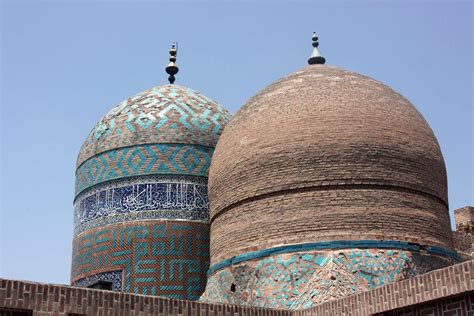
pixel 114 277
pixel 141 210
pixel 153 197
pixel 302 280
pixel 163 114
pixel 162 258
pixel 141 160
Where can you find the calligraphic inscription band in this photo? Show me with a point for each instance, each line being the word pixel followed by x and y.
pixel 152 197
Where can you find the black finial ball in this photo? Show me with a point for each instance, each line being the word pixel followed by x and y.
pixel 171 79
pixel 315 40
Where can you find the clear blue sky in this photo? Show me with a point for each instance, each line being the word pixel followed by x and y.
pixel 64 64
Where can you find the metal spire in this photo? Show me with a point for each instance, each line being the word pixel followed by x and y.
pixel 172 69
pixel 316 57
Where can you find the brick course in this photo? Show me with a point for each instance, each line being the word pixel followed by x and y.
pixel 458 305
pixel 436 288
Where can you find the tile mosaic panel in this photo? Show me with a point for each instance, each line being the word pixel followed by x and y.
pixel 150 159
pixel 162 258
pixel 163 114
pixel 301 280
pixel 152 197
pixel 115 277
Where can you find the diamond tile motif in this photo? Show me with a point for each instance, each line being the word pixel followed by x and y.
pixel 141 211
pixel 178 159
pixel 163 114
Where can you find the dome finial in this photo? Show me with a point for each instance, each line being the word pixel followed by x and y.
pixel 316 57
pixel 172 69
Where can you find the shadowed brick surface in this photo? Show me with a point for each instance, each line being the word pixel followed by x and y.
pixel 458 305
pixel 464 217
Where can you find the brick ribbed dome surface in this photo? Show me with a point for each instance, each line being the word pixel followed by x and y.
pixel 326 154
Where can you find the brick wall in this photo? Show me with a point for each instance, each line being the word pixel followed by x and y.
pixel 458 305
pixel 464 217
pixel 50 299
pixel 462 237
pixel 453 285
pixel 463 242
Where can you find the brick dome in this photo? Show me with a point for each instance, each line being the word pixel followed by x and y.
pixel 325 154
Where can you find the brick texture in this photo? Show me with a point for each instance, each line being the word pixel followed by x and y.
pixel 462 237
pixel 464 217
pixel 165 258
pixel 448 289
pixel 49 299
pixel 459 305
pixel 325 154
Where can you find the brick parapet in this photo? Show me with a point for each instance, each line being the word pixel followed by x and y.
pixel 51 299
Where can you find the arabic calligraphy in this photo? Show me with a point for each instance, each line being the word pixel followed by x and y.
pixel 185 196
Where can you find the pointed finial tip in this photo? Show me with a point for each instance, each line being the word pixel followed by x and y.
pixel 172 69
pixel 316 57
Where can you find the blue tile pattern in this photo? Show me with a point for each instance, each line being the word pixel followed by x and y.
pixel 139 198
pixel 336 244
pixel 302 279
pixel 163 114
pixel 141 204
pixel 115 277
pixel 150 159
pixel 157 257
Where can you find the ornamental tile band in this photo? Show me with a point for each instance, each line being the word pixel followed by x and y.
pixel 156 197
pixel 336 244
pixel 178 159
pixel 163 114
pixel 114 277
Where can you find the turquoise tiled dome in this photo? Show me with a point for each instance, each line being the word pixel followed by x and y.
pixel 141 210
pixel 147 133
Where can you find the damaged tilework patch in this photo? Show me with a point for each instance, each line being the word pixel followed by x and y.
pixel 301 280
